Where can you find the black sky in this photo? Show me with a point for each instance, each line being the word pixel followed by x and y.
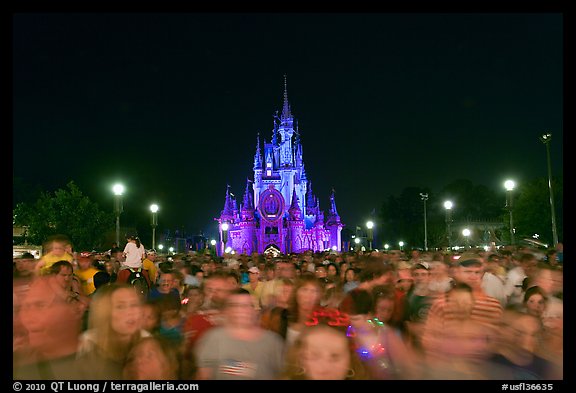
pixel 170 104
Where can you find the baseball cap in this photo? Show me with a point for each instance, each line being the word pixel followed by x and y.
pixel 254 269
pixel 26 255
pixel 84 254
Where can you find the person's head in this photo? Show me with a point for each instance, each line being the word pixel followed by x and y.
pixel 404 280
pixel 152 358
pixel 469 271
pixel 307 293
pixel 325 354
pixel 376 272
pixel 151 316
pixel 332 270
pixel 359 305
pixel 51 318
pixel 101 278
pixel 549 279
pixel 63 273
pixel 116 311
pixel 535 300
pixel 57 245
pixel 216 288
pixel 25 264
pixel 239 309
pixel 253 274
pixel 460 299
pixel 166 282
pixel 421 274
pixel 520 333
pixel 193 298
pixel 321 271
pixel 285 269
pixel 384 303
pixel 85 260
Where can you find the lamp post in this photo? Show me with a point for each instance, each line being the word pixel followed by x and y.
pixel 448 206
pixel 357 242
pixel 160 247
pixel 424 199
pixel 224 228
pixel 545 139
pixel 466 233
pixel 401 244
pixel 118 190
pixel 154 209
pixel 370 226
pixel 386 246
pixel 509 185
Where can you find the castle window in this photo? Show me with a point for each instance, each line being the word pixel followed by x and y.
pixel 271 230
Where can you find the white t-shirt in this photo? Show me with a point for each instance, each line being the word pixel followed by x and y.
pixel 134 255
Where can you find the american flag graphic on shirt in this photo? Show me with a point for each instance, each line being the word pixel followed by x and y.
pixel 238 368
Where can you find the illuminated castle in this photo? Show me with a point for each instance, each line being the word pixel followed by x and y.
pixel 279 211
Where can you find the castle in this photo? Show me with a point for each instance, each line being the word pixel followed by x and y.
pixel 279 212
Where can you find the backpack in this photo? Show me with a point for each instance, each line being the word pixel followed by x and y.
pixel 137 279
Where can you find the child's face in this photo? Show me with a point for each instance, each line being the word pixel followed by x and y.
pixel 325 354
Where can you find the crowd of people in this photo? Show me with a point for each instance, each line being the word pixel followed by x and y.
pixel 394 315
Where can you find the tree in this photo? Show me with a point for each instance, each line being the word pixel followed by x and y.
pixel 532 209
pixel 67 212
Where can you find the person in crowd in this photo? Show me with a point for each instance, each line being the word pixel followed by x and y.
pixel 67 280
pixel 516 345
pixel 440 280
pixel 323 352
pixel 111 268
pixel 53 323
pixel 56 248
pixel 350 280
pixel 192 301
pixel 239 349
pixel 153 358
pixel 535 300
pixel 288 322
pixel 254 286
pixel 165 287
pixel 283 269
pixel 151 316
pixel 525 267
pixel 417 303
pixel 134 252
pixel 381 349
pixel 485 310
pixel 115 325
pixel 23 273
pixel 149 264
pixel 86 271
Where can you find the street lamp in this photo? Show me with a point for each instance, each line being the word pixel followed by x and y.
pixel 401 244
pixel 118 190
pixel 154 209
pixel 545 139
pixel 224 228
pixel 386 246
pixel 370 226
pixel 509 185
pixel 466 233
pixel 448 206
pixel 424 199
pixel 160 247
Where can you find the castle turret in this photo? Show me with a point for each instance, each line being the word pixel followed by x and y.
pixel 333 224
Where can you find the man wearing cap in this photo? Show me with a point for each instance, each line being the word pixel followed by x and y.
pixel 254 286
pixel 85 272
pixel 486 310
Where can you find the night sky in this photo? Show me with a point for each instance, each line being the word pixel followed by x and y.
pixel 171 104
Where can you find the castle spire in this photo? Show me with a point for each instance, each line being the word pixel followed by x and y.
pixel 248 202
pixel 258 155
pixel 333 211
pixel 228 204
pixel 294 210
pixel 286 108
